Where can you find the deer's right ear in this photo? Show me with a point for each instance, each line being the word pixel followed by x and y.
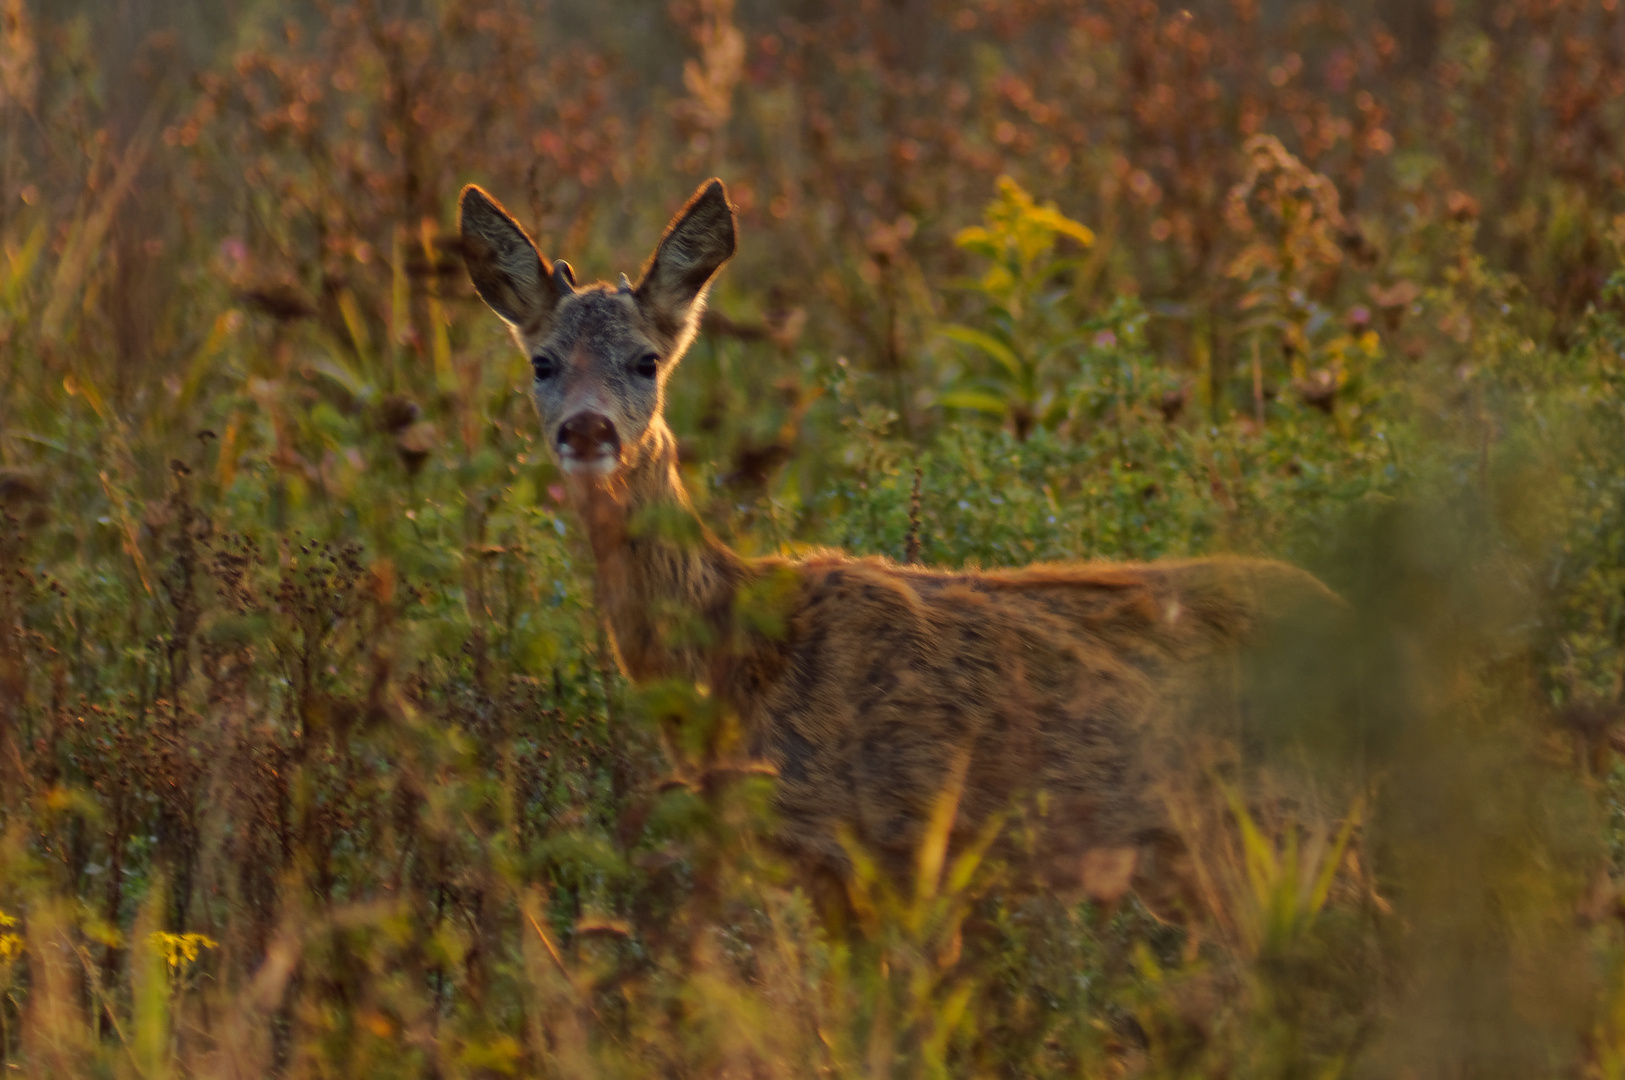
pixel 508 272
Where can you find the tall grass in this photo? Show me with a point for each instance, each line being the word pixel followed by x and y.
pixel 314 761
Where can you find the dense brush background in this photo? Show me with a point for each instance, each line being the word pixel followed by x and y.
pixel 314 762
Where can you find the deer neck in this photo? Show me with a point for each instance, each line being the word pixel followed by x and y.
pixel 665 584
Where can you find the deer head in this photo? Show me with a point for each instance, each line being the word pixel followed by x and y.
pixel 600 354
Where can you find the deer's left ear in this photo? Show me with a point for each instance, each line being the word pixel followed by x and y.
pixel 697 242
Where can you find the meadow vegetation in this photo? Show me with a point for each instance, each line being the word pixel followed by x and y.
pixel 314 760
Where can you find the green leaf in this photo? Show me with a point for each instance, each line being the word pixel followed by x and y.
pixel 988 344
pixel 979 400
pixel 1334 858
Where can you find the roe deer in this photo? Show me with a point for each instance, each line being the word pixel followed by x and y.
pixel 1065 681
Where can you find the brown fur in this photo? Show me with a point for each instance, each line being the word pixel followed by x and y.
pixel 1073 687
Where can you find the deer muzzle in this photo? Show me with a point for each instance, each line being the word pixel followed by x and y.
pixel 588 442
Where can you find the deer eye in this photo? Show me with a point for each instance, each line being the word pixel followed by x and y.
pixel 544 366
pixel 647 365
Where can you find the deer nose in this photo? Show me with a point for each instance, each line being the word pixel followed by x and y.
pixel 588 435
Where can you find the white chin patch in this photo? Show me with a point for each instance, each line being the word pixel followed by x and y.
pixel 602 465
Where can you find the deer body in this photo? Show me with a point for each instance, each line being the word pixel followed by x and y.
pixel 868 680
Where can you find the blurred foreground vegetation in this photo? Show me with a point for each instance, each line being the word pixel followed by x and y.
pixel 314 762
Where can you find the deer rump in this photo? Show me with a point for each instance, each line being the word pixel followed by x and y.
pixel 1078 693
